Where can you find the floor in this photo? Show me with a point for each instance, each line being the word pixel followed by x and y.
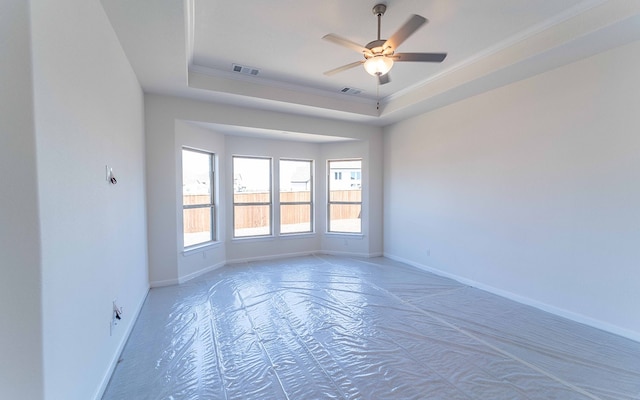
pixel 324 327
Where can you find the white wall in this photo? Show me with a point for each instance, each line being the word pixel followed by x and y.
pixel 164 137
pixel 21 375
pixel 531 189
pixel 88 113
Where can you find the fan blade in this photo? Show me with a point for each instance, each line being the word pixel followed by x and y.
pixel 384 79
pixel 339 40
pixel 425 57
pixel 344 68
pixel 406 30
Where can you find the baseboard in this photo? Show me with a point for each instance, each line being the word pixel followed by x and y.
pixel 349 254
pixel 271 257
pixel 119 349
pixel 576 317
pixel 196 274
pixel 167 282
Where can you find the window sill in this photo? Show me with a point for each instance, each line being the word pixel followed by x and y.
pixel 358 236
pixel 253 238
pixel 200 247
pixel 286 236
pixel 301 235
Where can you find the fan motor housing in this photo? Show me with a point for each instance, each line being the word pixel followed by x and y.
pixel 377 48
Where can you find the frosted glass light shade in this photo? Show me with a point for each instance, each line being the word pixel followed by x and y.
pixel 378 65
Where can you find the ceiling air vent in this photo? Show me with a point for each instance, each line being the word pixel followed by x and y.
pixel 245 70
pixel 349 90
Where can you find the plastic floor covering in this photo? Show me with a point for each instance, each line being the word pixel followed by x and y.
pixel 323 327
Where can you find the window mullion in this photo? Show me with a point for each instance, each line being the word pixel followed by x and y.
pixel 203 205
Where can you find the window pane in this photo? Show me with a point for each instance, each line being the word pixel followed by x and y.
pixel 295 197
pixel 345 181
pixel 259 197
pixel 295 218
pixel 295 181
pixel 196 177
pixel 345 218
pixel 197 223
pixel 252 175
pixel 350 195
pixel 251 220
pixel 345 175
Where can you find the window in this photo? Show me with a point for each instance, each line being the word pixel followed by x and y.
pixel 251 196
pixel 198 208
pixel 296 194
pixel 345 196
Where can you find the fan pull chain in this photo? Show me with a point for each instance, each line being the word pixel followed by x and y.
pixel 378 96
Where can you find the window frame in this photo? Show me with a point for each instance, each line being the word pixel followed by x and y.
pixel 252 204
pixel 330 202
pixel 310 203
pixel 213 233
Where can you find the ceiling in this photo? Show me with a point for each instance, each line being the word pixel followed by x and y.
pixel 188 49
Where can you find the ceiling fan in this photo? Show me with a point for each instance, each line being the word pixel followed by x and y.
pixel 379 55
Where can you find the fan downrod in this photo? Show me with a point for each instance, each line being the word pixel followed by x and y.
pixel 378 11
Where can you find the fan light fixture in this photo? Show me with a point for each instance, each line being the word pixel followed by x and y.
pixel 378 65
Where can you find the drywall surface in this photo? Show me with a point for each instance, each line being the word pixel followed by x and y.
pixel 21 373
pixel 88 114
pixel 530 190
pixel 163 206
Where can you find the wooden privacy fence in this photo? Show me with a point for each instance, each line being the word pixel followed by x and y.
pixel 197 220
